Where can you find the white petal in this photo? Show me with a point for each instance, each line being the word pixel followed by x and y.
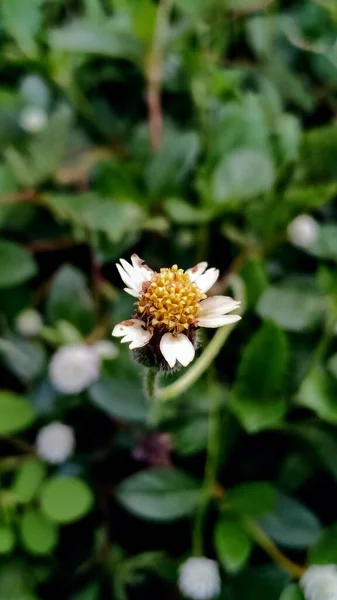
pixel 196 271
pixel 218 321
pixel 127 279
pixel 205 281
pixel 131 292
pixel 134 275
pixel 177 348
pixel 132 332
pixel 217 305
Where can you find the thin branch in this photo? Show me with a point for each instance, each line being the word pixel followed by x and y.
pixel 154 74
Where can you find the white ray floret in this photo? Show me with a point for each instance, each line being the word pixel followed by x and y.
pixel 177 348
pixel 134 275
pixel 133 332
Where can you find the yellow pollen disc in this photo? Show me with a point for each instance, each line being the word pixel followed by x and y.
pixel 170 301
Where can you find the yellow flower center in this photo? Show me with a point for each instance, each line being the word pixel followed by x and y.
pixel 170 300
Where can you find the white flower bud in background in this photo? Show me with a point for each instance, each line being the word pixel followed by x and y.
pixel 55 442
pixel 33 119
pixel 199 578
pixel 303 231
pixel 73 368
pixel 29 323
pixel 105 349
pixel 319 582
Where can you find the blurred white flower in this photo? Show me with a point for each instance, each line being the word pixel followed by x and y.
pixel 73 368
pixel 105 349
pixel 55 442
pixel 303 231
pixel 29 322
pixel 33 119
pixel 319 582
pixel 199 578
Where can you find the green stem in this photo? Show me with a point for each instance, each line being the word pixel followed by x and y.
pixel 213 444
pixel 150 383
pixel 198 368
pixel 269 547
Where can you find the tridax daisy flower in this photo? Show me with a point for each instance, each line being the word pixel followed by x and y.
pixel 171 305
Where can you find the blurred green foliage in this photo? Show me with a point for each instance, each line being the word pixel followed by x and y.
pixel 183 131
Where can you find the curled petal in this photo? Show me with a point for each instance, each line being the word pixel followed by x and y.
pixel 196 271
pixel 133 332
pixel 177 348
pixel 217 305
pixel 217 321
pixel 205 281
pixel 134 275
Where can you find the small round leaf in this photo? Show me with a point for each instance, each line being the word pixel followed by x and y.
pixel 7 540
pixel 15 413
pixel 66 499
pixel 38 534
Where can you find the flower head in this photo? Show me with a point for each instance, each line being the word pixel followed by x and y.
pixel 319 582
pixel 199 578
pixel 55 442
pixel 29 322
pixel 303 231
pixel 171 305
pixel 73 368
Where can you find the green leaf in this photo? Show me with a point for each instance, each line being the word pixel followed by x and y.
pixel 22 20
pixel 318 147
pixel 323 445
pixel 109 394
pixel 25 359
pixel 172 163
pixel 17 266
pixel 233 546
pixel 262 368
pixel 318 392
pixel 191 437
pixel 48 147
pixel 39 536
pixel 16 413
pixel 253 499
pixel 17 580
pixel 255 277
pixel 28 479
pixel 305 198
pixel 89 212
pixel 260 583
pixel 186 214
pixel 242 174
pixel 70 300
pixel 7 539
pixel 324 552
pixel 260 379
pixel 91 592
pixel 159 494
pixel 294 306
pixel 257 416
pixel 325 245
pixel 88 37
pixel 292 592
pixel 66 499
pixel 291 524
